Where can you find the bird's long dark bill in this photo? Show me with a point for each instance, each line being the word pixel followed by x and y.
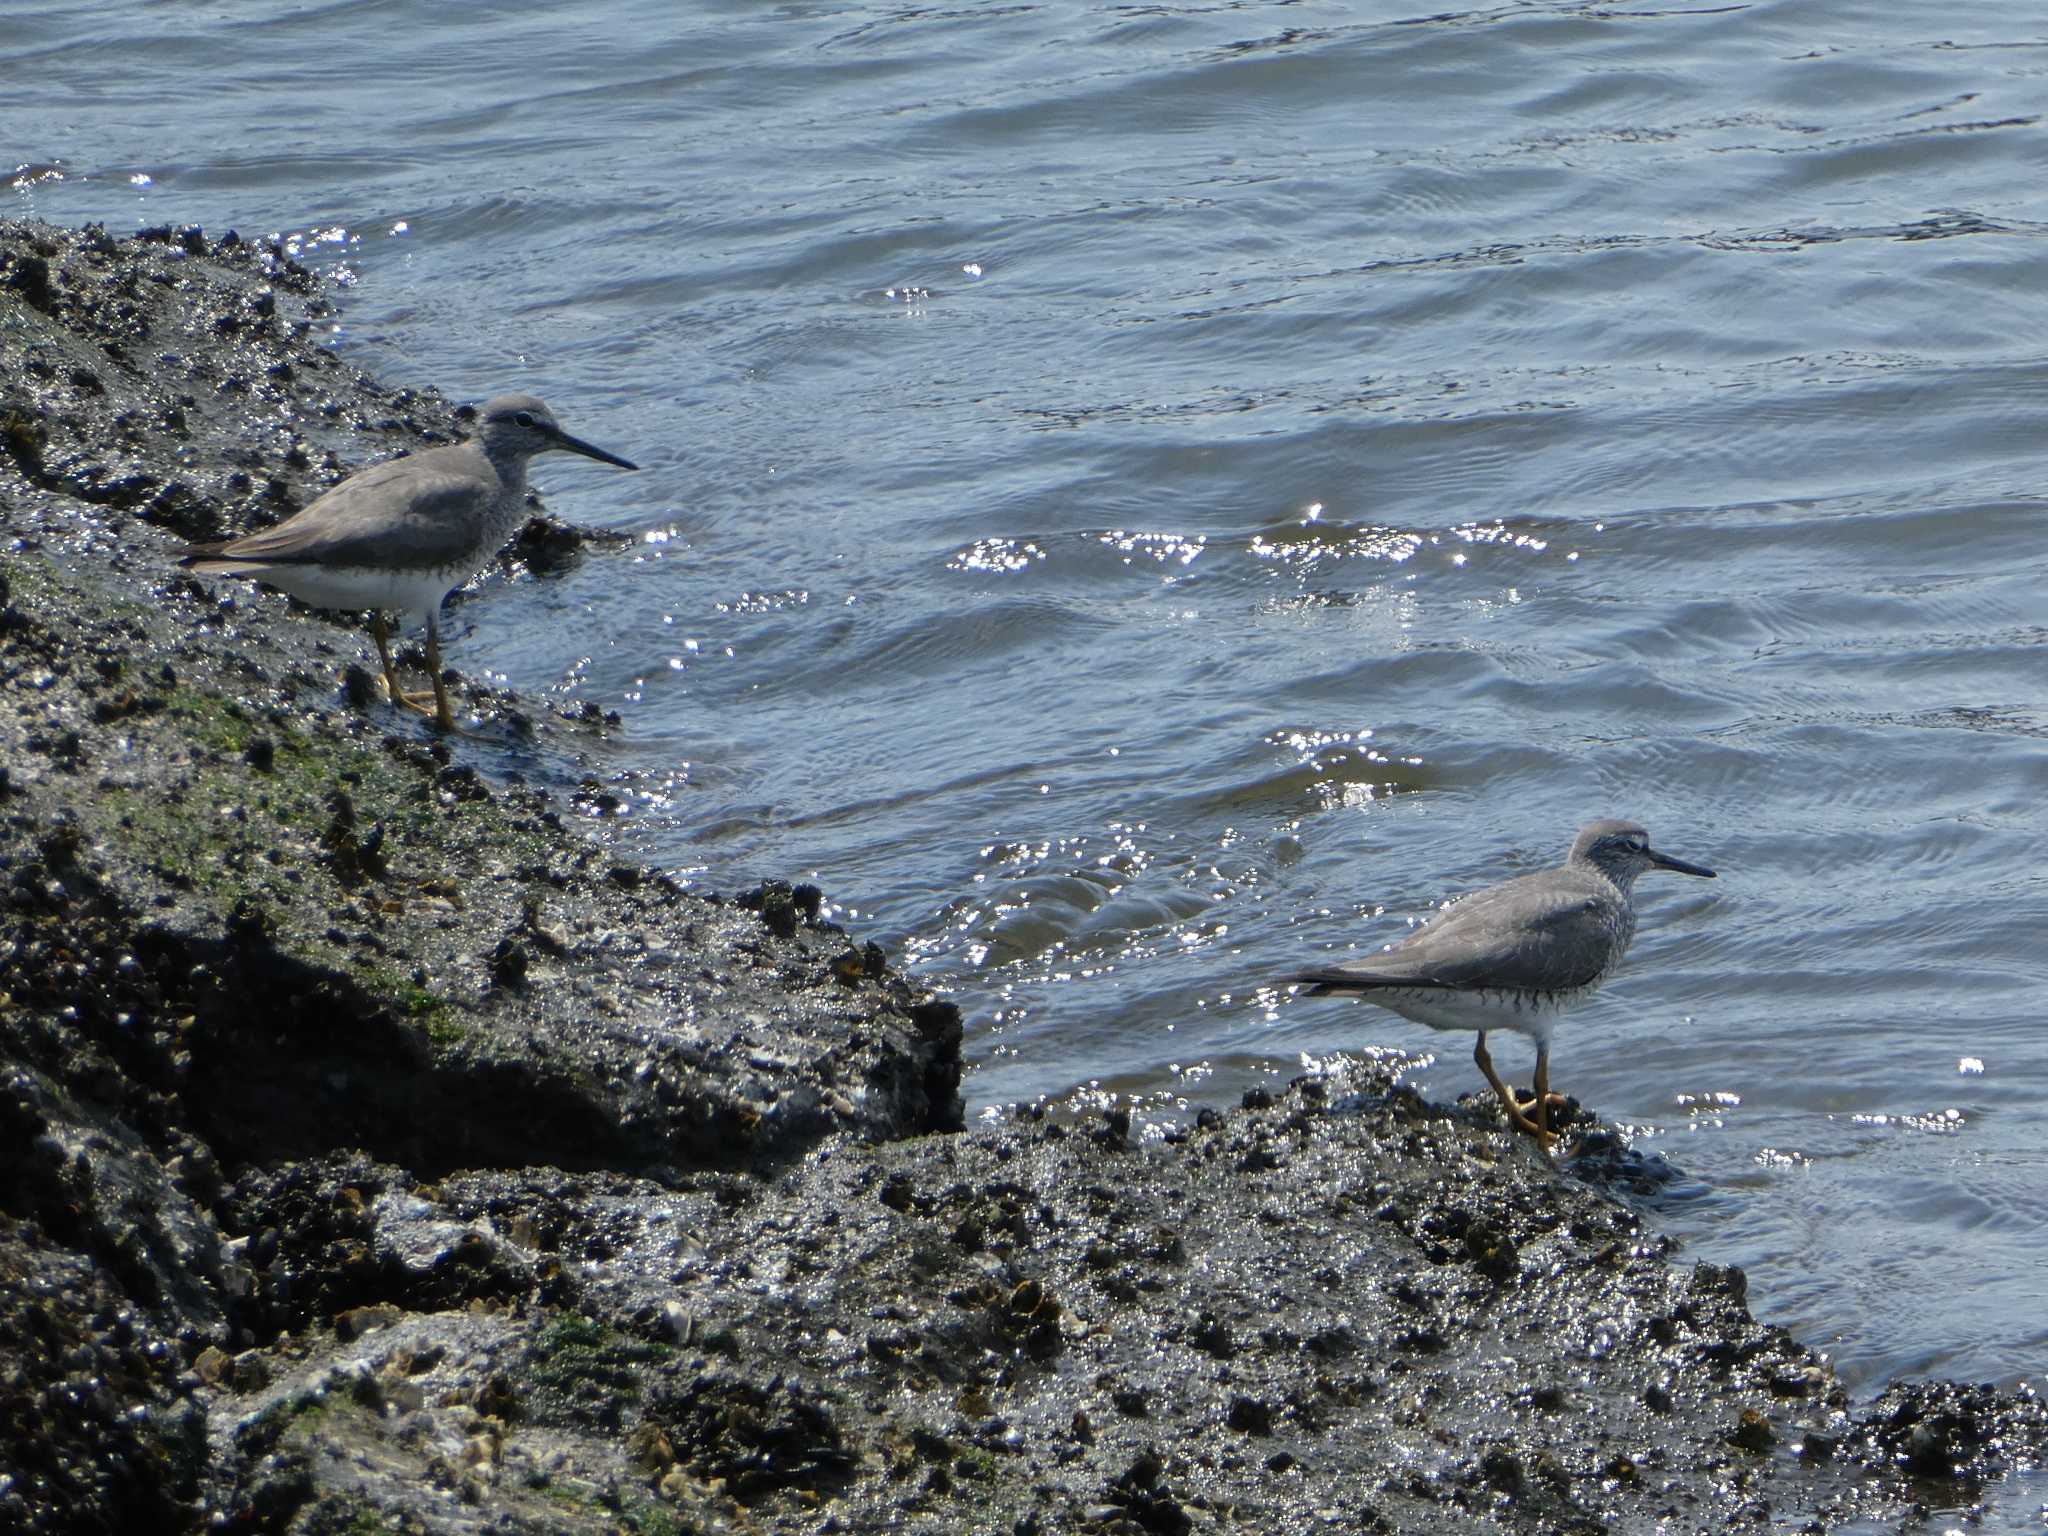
pixel 1679 866
pixel 591 450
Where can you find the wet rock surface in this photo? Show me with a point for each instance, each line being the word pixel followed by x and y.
pixel 378 1151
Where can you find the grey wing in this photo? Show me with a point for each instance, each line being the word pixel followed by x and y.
pixel 402 504
pixel 1526 934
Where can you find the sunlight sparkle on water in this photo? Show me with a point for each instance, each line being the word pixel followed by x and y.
pixel 1499 533
pixel 1334 542
pixel 997 556
pixel 1163 547
pixel 762 602
pixel 1939 1122
pixel 298 244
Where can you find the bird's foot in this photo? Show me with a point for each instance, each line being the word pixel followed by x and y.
pixel 424 702
pixel 1519 1119
pixel 420 701
pixel 444 715
pixel 1554 1110
pixel 431 702
pixel 1510 1100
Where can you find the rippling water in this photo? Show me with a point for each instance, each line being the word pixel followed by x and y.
pixel 1139 496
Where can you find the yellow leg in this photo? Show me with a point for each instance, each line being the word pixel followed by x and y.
pixel 1516 1118
pixel 1543 1136
pixel 404 700
pixel 444 717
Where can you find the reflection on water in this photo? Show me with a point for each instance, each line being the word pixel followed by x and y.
pixel 1136 503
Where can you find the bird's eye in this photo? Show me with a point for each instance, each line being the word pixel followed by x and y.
pixel 524 418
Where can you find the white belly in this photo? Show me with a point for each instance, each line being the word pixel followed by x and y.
pixel 416 592
pixel 1525 1013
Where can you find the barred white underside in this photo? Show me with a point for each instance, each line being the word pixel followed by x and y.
pixel 1533 1014
pixel 416 593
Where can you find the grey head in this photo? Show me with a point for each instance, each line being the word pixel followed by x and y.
pixel 1621 850
pixel 513 428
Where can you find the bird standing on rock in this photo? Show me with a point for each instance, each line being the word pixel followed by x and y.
pixel 1514 955
pixel 405 533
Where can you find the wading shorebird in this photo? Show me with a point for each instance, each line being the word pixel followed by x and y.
pixel 1514 955
pixel 403 534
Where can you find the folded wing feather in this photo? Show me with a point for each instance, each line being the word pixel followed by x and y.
pixel 1528 934
pixel 434 516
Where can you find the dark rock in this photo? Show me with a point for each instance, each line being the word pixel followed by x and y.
pixel 1503 1469
pixel 756 1439
pixel 776 902
pixel 1721 1280
pixel 359 688
pixel 508 965
pixel 1491 1251
pixel 29 275
pixel 547 546
pixel 462 784
pixel 1212 1336
pixel 1250 1416
pixel 1752 1432
pixel 1146 1501
pixel 354 855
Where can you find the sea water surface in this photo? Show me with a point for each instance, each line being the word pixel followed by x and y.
pixel 1141 496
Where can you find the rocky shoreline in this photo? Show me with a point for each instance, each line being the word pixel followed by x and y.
pixel 380 1153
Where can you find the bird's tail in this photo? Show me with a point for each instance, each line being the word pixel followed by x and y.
pixel 1324 983
pixel 1335 979
pixel 193 554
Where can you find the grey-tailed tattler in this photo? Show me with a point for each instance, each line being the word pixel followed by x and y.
pixel 1514 955
pixel 403 534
